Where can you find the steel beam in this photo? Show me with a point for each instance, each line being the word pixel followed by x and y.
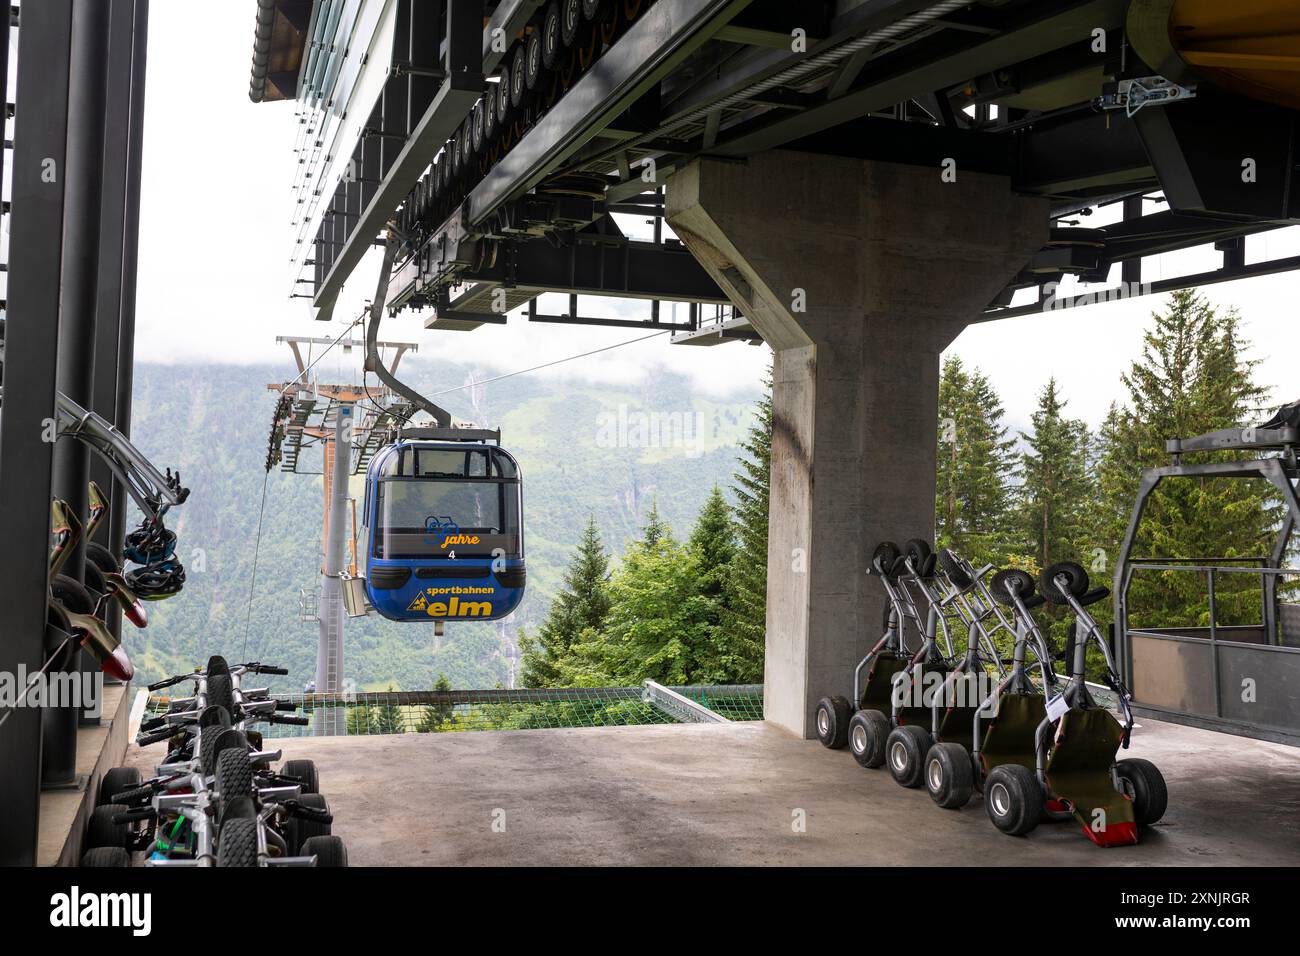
pixel 653 46
pixel 130 249
pixel 1083 299
pixel 82 197
pixel 632 269
pixel 108 307
pixel 31 343
pixel 756 64
pixel 457 95
pixel 1041 35
pixel 509 18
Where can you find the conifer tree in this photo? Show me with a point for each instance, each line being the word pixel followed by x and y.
pixel 437 717
pixel 974 466
pixel 581 605
pixel 1193 377
pixel 1056 490
pixel 656 622
pixel 744 616
pixel 711 551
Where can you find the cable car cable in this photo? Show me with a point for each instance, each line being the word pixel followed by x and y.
pixel 558 361
pixel 257 547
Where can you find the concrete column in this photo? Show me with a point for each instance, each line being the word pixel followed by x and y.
pixel 858 274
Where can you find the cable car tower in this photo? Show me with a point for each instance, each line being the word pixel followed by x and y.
pixel 348 422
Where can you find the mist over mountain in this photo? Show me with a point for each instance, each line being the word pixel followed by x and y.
pixel 584 450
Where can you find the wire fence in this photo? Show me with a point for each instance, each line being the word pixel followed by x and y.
pixel 456 711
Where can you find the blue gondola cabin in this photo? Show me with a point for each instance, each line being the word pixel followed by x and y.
pixel 446 535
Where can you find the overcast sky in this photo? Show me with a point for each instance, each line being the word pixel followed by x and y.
pixel 215 248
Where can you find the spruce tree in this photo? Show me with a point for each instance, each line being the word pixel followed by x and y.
pixel 744 615
pixel 712 546
pixel 975 463
pixel 1056 496
pixel 711 550
pixel 1193 377
pixel 437 717
pixel 581 605
pixel 654 529
pixel 656 621
pixel 1056 488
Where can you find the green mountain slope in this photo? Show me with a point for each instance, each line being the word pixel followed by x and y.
pixel 584 449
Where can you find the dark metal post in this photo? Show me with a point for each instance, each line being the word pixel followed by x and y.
pixel 88 66
pixel 130 247
pixel 6 21
pixel 31 341
pixel 108 308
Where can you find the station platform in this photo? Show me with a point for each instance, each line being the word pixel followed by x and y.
pixel 731 794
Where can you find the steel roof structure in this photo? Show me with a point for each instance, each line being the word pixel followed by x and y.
pixel 1066 97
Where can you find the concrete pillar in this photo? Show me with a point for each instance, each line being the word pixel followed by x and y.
pixel 857 274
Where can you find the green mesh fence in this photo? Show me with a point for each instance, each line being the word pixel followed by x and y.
pixel 407 712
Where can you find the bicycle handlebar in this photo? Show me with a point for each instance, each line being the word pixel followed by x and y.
pixel 287 719
pixel 169 681
pixel 157 737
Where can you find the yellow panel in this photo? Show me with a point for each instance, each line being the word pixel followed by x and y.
pixel 1251 47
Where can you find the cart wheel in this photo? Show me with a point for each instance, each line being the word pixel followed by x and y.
pixel 299 830
pixel 1011 579
pixel 1144 784
pixel 103 832
pixel 868 731
pixel 237 842
pixel 519 76
pixel 214 715
pixel 117 780
pixel 1013 799
pixel 918 552
pixel 102 558
pixel 533 61
pixel 213 742
pixel 883 558
pixel 305 772
pixel 1077 577
pixel 905 752
pixel 949 776
pixel 234 775
pixel 95 582
pixel 219 693
pixel 106 857
pixel 953 570
pixel 328 850
pixel 591 8
pixel 552 44
pixel 832 722
pixel 70 593
pixel 570 21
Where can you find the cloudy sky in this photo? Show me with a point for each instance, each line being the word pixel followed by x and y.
pixel 215 249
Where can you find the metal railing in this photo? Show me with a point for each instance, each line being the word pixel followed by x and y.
pixel 455 711
pixel 1217 572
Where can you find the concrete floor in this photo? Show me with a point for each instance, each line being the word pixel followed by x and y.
pixel 729 794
